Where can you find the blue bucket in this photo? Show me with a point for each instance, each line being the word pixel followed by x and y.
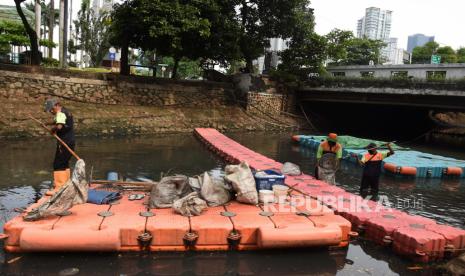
pixel 112 176
pixel 267 182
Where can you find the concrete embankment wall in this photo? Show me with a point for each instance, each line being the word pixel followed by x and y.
pixel 113 104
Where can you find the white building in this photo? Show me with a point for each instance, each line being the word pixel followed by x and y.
pixel 376 24
pixel 102 6
pixel 271 58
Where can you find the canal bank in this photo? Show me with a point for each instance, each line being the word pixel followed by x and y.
pixel 110 104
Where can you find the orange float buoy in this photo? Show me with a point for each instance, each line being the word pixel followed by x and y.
pixel 454 171
pixel 402 170
pixel 410 171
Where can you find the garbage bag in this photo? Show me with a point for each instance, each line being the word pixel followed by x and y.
pixel 194 182
pixel 243 183
pixel 190 205
pixel 290 169
pixel 327 168
pixel 73 192
pixel 213 190
pixel 168 190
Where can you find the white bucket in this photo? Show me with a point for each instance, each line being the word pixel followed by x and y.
pixel 280 193
pixel 266 196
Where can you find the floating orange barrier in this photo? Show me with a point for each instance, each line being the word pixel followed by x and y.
pixel 416 237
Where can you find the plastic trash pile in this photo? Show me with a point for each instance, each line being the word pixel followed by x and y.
pixel 190 196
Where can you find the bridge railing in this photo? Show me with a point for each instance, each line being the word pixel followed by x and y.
pixel 400 83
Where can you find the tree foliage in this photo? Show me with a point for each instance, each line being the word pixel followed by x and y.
pixel 211 31
pixel 307 50
pixel 260 20
pixel 14 34
pixel 448 55
pixel 361 51
pixel 92 32
pixel 33 38
pixel 461 55
pixel 338 42
pixel 167 26
pixel 422 54
pixel 343 48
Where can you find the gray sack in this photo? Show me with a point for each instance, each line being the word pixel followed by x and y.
pixel 168 190
pixel 190 205
pixel 73 192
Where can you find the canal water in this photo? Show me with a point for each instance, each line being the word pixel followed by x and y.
pixel 25 175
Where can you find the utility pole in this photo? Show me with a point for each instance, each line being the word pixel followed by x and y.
pixel 63 33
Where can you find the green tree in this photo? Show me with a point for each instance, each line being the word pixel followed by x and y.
pixel 337 45
pixel 221 45
pixel 160 25
pixel 360 51
pixel 261 20
pixel 126 30
pixel 447 54
pixel 461 55
pixel 306 51
pixel 422 54
pixel 14 34
pixel 92 32
pixel 33 38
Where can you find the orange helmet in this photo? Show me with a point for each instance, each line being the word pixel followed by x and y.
pixel 332 137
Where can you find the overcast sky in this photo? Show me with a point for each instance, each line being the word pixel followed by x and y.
pixel 444 19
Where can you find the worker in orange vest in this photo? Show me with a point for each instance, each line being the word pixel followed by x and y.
pixel 331 151
pixel 371 162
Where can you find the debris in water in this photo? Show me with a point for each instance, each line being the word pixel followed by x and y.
pixel 69 271
pixel 415 268
pixel 42 172
pixel 14 260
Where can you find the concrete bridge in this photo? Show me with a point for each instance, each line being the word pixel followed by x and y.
pixel 448 96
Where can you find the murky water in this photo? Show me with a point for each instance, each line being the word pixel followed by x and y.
pixel 25 174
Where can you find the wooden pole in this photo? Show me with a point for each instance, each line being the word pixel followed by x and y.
pixel 56 136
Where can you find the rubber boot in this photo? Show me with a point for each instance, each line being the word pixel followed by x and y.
pixel 59 179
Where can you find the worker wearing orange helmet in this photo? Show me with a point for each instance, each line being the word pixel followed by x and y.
pixel 372 163
pixel 328 158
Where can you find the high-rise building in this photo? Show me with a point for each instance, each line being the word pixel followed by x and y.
pixel 418 40
pixel 100 6
pixel 376 24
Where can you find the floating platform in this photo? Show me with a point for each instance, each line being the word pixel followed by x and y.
pixel 130 225
pixel 416 237
pixel 406 163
